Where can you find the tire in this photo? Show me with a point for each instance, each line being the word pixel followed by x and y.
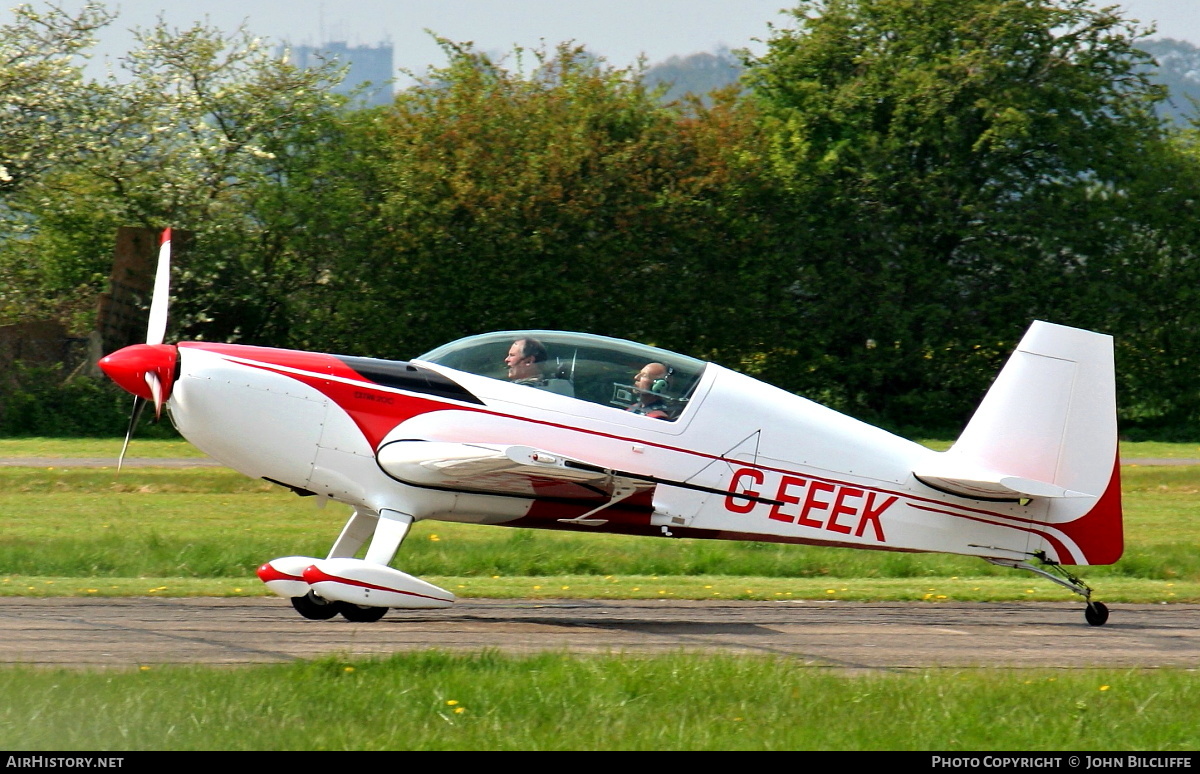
pixel 315 608
pixel 1096 613
pixel 360 614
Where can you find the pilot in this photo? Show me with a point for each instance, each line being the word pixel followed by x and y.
pixel 649 384
pixel 525 362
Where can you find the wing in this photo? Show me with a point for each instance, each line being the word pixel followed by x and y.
pixel 512 470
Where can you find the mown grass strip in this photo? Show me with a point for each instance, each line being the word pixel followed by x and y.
pixel 486 701
pixel 96 447
pixel 1016 587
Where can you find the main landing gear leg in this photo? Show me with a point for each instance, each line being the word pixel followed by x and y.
pixel 1096 613
pixel 390 531
pixel 358 530
pixel 387 531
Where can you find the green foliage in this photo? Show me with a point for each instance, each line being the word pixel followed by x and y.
pixel 562 197
pixel 901 188
pixel 953 164
pixel 38 81
pixel 38 401
pixel 201 131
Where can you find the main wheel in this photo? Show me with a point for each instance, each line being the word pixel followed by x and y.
pixel 1096 613
pixel 360 614
pixel 315 608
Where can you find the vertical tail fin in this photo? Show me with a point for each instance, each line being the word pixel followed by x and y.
pixel 1047 428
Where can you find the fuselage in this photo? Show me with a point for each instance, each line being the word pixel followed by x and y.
pixel 740 459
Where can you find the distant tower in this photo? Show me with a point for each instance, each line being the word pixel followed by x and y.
pixel 368 64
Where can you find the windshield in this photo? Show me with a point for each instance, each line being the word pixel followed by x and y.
pixel 597 369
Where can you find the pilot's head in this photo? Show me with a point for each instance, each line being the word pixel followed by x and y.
pixel 652 376
pixel 525 358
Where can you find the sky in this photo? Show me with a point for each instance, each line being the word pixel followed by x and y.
pixel 618 30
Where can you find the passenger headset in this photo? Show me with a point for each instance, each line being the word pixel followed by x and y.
pixel 659 385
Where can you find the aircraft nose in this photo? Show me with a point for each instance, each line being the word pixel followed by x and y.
pixel 144 370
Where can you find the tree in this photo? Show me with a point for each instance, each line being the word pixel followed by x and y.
pixel 944 157
pixel 41 98
pixel 564 196
pixel 1146 279
pixel 197 134
pixel 41 82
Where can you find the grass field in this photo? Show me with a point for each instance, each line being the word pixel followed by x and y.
pixel 159 531
pixel 440 701
pixel 205 530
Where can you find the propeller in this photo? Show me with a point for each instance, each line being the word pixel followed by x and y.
pixel 148 370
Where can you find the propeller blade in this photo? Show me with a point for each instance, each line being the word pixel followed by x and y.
pixel 157 329
pixel 138 405
pixel 156 393
pixel 147 370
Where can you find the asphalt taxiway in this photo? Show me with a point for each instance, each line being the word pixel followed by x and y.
pixel 132 632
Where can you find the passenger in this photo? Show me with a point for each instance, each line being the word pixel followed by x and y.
pixel 650 384
pixel 525 361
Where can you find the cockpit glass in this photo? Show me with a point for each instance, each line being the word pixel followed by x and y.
pixel 596 369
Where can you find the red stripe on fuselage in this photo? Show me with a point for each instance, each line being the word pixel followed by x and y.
pixel 374 409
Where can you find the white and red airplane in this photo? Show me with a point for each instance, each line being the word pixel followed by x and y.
pixel 552 430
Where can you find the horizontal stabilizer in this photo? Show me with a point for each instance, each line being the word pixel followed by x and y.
pixel 989 485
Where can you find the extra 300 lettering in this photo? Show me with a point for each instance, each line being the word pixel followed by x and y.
pixel 810 502
pixel 388 399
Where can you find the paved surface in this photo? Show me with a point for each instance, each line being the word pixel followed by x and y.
pixel 127 632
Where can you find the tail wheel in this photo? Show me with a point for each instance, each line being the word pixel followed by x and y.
pixel 315 608
pixel 359 614
pixel 1096 613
